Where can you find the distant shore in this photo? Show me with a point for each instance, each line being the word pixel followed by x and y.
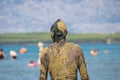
pixel 34 38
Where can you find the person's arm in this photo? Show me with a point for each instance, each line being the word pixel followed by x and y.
pixel 44 65
pixel 82 66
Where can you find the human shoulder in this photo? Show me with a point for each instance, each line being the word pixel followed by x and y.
pixel 74 47
pixel 52 46
pixel 73 44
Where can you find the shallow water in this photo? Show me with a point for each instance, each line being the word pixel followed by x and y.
pixel 101 67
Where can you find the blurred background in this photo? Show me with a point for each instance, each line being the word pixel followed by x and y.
pixel 92 24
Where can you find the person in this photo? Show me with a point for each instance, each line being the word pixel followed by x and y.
pixel 94 52
pixel 2 55
pixel 23 50
pixel 61 58
pixel 40 46
pixel 13 55
pixel 106 51
pixel 32 64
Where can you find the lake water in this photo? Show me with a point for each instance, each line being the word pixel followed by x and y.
pixel 104 66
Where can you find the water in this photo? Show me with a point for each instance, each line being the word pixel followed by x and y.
pixel 101 67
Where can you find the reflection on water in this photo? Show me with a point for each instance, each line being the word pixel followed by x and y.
pixel 100 67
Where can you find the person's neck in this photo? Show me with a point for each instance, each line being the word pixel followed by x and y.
pixel 61 42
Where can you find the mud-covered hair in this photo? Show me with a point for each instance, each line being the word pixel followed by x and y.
pixel 58 31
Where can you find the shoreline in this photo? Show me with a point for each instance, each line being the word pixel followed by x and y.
pixel 49 42
pixel 34 38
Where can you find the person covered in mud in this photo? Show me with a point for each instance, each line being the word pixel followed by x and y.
pixel 62 59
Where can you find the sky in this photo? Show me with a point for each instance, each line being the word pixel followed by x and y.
pixel 80 16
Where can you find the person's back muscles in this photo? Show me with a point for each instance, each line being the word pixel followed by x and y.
pixel 62 62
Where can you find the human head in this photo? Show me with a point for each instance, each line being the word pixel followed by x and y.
pixel 40 44
pixel 31 61
pixel 58 31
